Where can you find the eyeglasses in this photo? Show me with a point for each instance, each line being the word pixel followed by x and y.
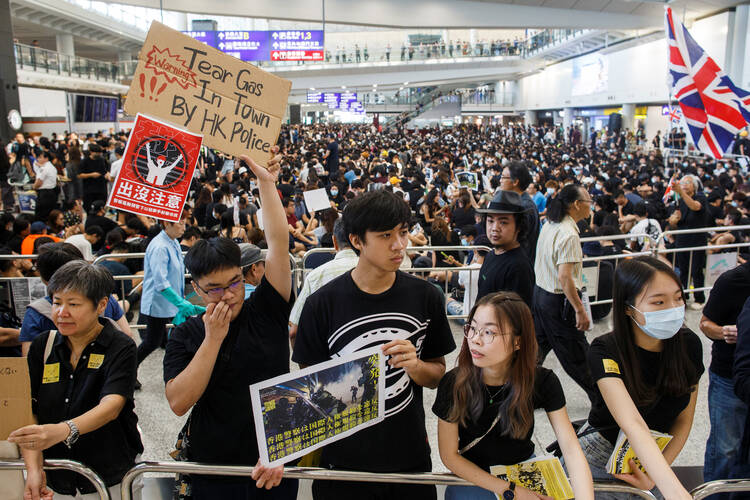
pixel 587 201
pixel 487 335
pixel 217 293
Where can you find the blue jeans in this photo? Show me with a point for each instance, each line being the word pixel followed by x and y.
pixel 468 493
pixel 727 415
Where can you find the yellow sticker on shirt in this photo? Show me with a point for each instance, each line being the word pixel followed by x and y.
pixel 611 366
pixel 51 373
pixel 95 361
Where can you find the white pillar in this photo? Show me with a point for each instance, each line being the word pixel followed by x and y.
pixel 123 56
pixel 738 59
pixel 499 92
pixel 65 44
pixel 472 36
pixel 567 119
pixel 529 117
pixel 628 116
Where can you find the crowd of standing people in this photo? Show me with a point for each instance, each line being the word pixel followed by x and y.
pixel 520 198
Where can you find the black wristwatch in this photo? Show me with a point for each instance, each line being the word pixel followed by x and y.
pixel 510 493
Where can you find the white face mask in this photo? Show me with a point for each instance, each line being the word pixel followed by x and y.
pixel 662 324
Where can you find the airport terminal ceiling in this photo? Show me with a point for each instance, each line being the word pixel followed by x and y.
pixel 597 14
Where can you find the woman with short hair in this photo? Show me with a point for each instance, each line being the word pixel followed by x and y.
pixel 82 381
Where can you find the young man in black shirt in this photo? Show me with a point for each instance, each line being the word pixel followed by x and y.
pixel 211 360
pixel 507 267
pixel 376 304
pixel 726 411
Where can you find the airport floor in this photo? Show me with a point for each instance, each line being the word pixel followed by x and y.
pixel 160 426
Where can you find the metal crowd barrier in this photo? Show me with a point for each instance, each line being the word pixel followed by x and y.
pixel 721 486
pixel 72 465
pixel 330 475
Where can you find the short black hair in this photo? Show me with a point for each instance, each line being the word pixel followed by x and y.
pixel 379 210
pixel 191 232
pixel 519 172
pixel 640 209
pixel 469 230
pixel 93 281
pixel 214 254
pixel 53 256
pixel 95 230
pixel 20 224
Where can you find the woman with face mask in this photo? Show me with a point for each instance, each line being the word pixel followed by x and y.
pixel 646 372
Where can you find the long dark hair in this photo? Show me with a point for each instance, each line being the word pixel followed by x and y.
pixel 517 409
pixel 676 374
pixel 558 206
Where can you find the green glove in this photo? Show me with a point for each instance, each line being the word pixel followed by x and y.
pixel 185 308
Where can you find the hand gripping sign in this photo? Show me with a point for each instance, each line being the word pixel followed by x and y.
pixel 157 170
pixel 237 107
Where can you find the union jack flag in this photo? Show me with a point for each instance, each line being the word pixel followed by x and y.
pixel 713 107
pixel 674 115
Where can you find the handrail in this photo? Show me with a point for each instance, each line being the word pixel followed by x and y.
pixel 72 465
pixel 330 475
pixel 720 486
pixel 705 230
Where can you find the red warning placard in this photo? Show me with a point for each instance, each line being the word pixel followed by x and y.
pixel 157 170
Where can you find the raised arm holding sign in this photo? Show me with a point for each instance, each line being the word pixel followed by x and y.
pixel 237 107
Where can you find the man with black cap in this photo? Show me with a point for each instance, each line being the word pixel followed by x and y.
pixel 516 177
pixel 507 267
pixel 253 264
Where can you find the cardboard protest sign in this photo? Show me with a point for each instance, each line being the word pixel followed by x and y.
pixel 15 396
pixel 157 170
pixel 299 412
pixel 317 199
pixel 236 106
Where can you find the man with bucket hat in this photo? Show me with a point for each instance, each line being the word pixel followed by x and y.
pixel 507 267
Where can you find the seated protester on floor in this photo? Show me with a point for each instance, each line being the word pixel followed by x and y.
pixel 486 404
pixel 82 381
pixel 211 359
pixel 397 311
pixel 253 264
pixel 38 317
pixel 469 280
pixel 97 217
pixel 646 372
pixel 38 230
pixel 726 412
pixel 507 267
pixel 86 241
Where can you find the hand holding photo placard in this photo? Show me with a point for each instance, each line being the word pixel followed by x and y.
pixel 237 107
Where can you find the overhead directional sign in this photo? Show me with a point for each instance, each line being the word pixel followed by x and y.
pixel 289 45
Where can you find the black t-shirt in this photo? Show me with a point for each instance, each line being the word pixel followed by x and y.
pixel 91 165
pixel 497 448
pixel 222 428
pixel 332 162
pixel 728 295
pixel 286 190
pixel 693 219
pixel 439 240
pixel 59 392
pixel 604 361
pixel 509 271
pixel 105 223
pixel 463 216
pixel 340 319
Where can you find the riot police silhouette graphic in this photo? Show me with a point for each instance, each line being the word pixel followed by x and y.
pixel 157 172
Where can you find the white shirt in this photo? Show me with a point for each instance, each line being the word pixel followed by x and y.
pixel 48 175
pixel 114 169
pixel 81 243
pixel 650 227
pixel 344 261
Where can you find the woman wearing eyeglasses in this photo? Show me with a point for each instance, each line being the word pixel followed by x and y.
pixel 163 299
pixel 646 372
pixel 486 404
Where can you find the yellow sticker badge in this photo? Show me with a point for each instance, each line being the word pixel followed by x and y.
pixel 95 361
pixel 51 373
pixel 611 366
